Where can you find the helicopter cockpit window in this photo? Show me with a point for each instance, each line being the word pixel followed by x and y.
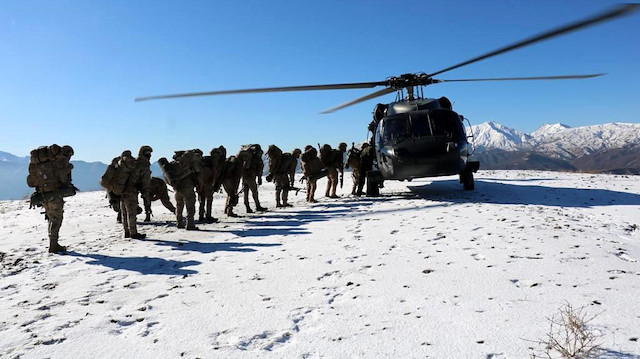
pixel 446 123
pixel 420 125
pixel 394 129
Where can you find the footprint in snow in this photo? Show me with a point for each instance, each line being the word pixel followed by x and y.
pixel 478 257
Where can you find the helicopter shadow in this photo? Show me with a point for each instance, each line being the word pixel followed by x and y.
pixel 142 265
pixel 506 193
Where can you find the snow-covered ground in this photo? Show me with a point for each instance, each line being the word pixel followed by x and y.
pixel 426 270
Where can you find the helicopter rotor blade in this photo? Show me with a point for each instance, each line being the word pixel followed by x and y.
pixel 563 77
pixel 356 85
pixel 617 11
pixel 382 92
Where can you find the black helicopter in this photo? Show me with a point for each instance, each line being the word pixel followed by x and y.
pixel 417 137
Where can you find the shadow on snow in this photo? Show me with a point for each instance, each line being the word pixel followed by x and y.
pixel 203 247
pixel 503 193
pixel 143 265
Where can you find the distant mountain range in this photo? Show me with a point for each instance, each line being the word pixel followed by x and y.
pixel 608 148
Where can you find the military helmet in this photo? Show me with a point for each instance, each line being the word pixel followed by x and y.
pixel 296 152
pixel 307 147
pixel 145 151
pixel 126 153
pixel 342 147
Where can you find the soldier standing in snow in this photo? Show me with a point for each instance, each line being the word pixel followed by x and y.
pixel 50 175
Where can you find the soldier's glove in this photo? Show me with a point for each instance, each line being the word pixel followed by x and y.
pixel 269 177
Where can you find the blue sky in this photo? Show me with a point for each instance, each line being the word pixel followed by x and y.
pixel 69 70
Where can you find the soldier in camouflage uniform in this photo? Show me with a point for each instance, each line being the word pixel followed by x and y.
pixel 209 174
pixel 332 159
pixel 144 167
pixel 48 185
pixel 279 172
pixel 253 169
pixel 312 169
pixel 158 191
pixel 231 176
pixel 353 160
pixel 294 166
pixel 367 156
pixel 185 195
pixel 137 169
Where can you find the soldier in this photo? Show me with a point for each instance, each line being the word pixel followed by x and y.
pixel 50 175
pixel 189 162
pixel 294 166
pixel 353 160
pixel 332 160
pixel 158 191
pixel 367 156
pixel 211 168
pixel 134 170
pixel 144 167
pixel 312 169
pixel 279 171
pixel 231 176
pixel 253 169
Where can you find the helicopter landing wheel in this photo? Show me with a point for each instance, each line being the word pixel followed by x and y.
pixel 466 178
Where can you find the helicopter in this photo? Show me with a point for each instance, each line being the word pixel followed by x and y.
pixel 415 136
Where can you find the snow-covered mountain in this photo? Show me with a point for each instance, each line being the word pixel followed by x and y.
pixel 490 135
pixel 558 140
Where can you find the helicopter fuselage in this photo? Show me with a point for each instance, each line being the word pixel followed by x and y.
pixel 419 138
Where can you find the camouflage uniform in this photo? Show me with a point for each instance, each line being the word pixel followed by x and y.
pixel 332 160
pixel 367 157
pixel 158 191
pixel 312 170
pixel 186 197
pixel 49 188
pixel 129 196
pixel 232 174
pixel 209 174
pixel 253 169
pixel 279 172
pixel 294 166
pixel 353 160
pixel 143 164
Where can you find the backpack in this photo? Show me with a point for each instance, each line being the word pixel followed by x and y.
pixel 308 155
pixel 184 164
pixel 116 177
pixel 325 154
pixel 49 169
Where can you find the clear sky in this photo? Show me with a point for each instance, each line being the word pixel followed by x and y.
pixel 69 70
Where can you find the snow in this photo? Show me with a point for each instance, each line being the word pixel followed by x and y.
pixel 425 270
pixel 558 140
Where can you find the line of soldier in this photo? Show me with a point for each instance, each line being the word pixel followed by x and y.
pixel 191 172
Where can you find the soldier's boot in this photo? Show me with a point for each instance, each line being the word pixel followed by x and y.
pixel 147 218
pixel 180 222
pixel 191 226
pixel 119 218
pixel 55 247
pixel 249 210
pixel 210 219
pixel 127 234
pixel 285 197
pixel 139 236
